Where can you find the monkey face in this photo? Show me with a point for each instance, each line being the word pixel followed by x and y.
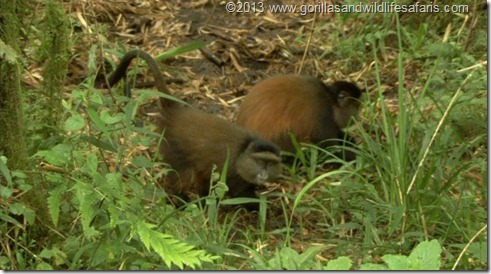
pixel 347 109
pixel 347 104
pixel 266 169
pixel 258 170
pixel 259 163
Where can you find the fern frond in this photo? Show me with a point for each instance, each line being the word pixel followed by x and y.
pixel 87 198
pixel 170 249
pixel 54 203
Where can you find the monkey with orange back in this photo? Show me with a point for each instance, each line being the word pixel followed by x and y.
pixel 313 111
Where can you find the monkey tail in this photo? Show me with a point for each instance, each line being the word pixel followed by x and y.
pixel 120 72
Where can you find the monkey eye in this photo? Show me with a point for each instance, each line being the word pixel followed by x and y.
pixel 341 96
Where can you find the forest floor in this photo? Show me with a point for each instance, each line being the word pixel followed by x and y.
pixel 247 47
pixel 242 49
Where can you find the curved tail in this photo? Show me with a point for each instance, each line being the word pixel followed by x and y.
pixel 120 72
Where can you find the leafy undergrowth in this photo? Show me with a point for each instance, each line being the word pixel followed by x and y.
pixel 425 256
pixel 416 197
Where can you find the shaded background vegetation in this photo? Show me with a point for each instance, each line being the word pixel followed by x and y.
pixel 82 192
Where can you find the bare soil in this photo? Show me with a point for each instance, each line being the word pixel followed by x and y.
pixel 246 47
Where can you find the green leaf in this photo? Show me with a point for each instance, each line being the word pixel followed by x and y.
pixel 239 201
pixel 55 177
pixel 479 251
pixel 17 208
pixel 46 253
pixel 340 263
pixel 57 256
pixel 397 262
pixel 289 259
pixel 370 266
pixel 75 122
pixel 21 209
pixel 91 164
pixel 54 203
pixel 130 110
pixel 98 143
pixel 44 266
pixel 307 258
pixel 8 53
pixel 5 192
pixel 4 169
pixel 108 119
pixel 155 93
pixel 59 155
pixel 398 213
pixel 260 262
pixel 180 50
pixel 275 262
pixel 142 162
pixel 87 198
pixel 426 256
pixel 7 218
pixel 114 180
pixel 114 215
pixel 96 99
pixel 170 250
pixel 96 119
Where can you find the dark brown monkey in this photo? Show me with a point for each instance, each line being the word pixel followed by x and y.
pixel 195 141
pixel 313 111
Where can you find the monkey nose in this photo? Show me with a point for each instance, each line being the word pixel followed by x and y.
pixel 261 177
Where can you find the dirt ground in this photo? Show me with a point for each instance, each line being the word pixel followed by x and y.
pixel 241 48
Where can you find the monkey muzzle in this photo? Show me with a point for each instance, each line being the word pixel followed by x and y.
pixel 262 177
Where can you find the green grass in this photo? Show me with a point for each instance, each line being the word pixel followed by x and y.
pixel 421 174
